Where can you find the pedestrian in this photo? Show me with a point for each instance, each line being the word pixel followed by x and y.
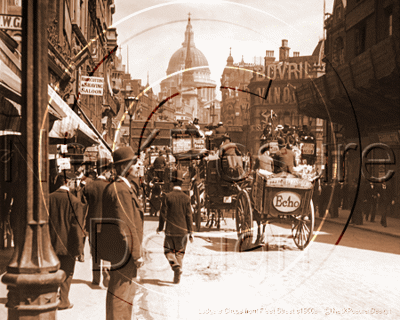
pixel 66 233
pixel 372 200
pixel 120 236
pixel 284 159
pixel 176 214
pixel 386 203
pixel 93 193
pixel 264 161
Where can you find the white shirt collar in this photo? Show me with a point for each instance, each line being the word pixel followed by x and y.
pixel 177 188
pixel 125 180
pixel 102 177
pixel 64 188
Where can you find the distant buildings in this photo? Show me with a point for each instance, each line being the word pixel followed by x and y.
pixel 195 87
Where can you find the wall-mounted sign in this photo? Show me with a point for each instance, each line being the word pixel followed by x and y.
pixel 92 86
pixel 10 22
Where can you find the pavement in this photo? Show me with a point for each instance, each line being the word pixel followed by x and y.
pixel 89 300
pixel 392 229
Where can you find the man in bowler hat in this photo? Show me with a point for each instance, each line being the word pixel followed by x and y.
pixel 66 233
pixel 93 193
pixel 176 213
pixel 120 236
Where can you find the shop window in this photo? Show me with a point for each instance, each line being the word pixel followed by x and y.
pixel 360 35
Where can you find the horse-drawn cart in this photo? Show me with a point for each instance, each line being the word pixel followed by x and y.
pixel 273 198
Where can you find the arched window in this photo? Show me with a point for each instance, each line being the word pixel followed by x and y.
pixel 338 52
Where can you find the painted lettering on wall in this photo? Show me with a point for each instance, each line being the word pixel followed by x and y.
pixel 276 95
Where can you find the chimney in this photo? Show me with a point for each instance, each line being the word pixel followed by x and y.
pixel 284 51
pixel 269 57
pixel 296 54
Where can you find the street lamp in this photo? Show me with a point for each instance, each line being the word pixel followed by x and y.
pixel 131 111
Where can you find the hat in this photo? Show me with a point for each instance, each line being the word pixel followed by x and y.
pixel 279 127
pixel 66 175
pixel 102 162
pixel 177 175
pixel 123 154
pixel 281 142
pixel 196 121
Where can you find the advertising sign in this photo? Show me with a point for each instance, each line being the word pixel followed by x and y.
pixel 92 86
pixel 199 143
pixel 63 164
pixel 286 201
pixel 181 145
pixel 10 22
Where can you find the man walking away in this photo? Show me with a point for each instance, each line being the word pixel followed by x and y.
pixel 66 233
pixel 93 193
pixel 176 213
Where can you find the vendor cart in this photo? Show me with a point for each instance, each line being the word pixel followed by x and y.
pixel 276 197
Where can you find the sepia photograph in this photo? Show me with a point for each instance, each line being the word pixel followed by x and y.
pixel 199 159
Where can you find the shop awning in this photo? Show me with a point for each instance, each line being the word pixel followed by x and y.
pixel 67 123
pixel 366 88
pixel 71 125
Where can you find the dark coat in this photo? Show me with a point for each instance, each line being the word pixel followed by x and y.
pixel 159 162
pixel 93 193
pixel 65 223
pixel 176 211
pixel 122 230
pixel 284 160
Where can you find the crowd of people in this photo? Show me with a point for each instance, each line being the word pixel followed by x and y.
pixel 103 206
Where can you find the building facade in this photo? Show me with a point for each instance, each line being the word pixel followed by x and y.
pixel 235 104
pixel 359 94
pixel 280 79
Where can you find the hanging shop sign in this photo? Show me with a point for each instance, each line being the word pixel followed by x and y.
pixel 92 86
pixel 10 22
pixel 63 164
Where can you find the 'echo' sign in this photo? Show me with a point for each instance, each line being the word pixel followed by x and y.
pixel 286 201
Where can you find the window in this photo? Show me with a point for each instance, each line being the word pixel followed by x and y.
pixel 338 13
pixel 389 20
pixel 360 35
pixel 338 52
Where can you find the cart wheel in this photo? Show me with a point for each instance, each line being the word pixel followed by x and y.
pixel 303 227
pixel 196 206
pixel 244 220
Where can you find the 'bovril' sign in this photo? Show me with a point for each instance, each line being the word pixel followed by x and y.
pixel 286 201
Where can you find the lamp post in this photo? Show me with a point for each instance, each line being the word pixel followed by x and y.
pixel 131 111
pixel 33 274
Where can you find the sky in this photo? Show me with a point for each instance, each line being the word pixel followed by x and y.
pixel 152 30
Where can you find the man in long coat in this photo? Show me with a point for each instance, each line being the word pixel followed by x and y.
pixel 176 213
pixel 93 193
pixel 66 233
pixel 285 159
pixel 120 237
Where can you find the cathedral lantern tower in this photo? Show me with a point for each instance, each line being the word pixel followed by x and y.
pixel 195 86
